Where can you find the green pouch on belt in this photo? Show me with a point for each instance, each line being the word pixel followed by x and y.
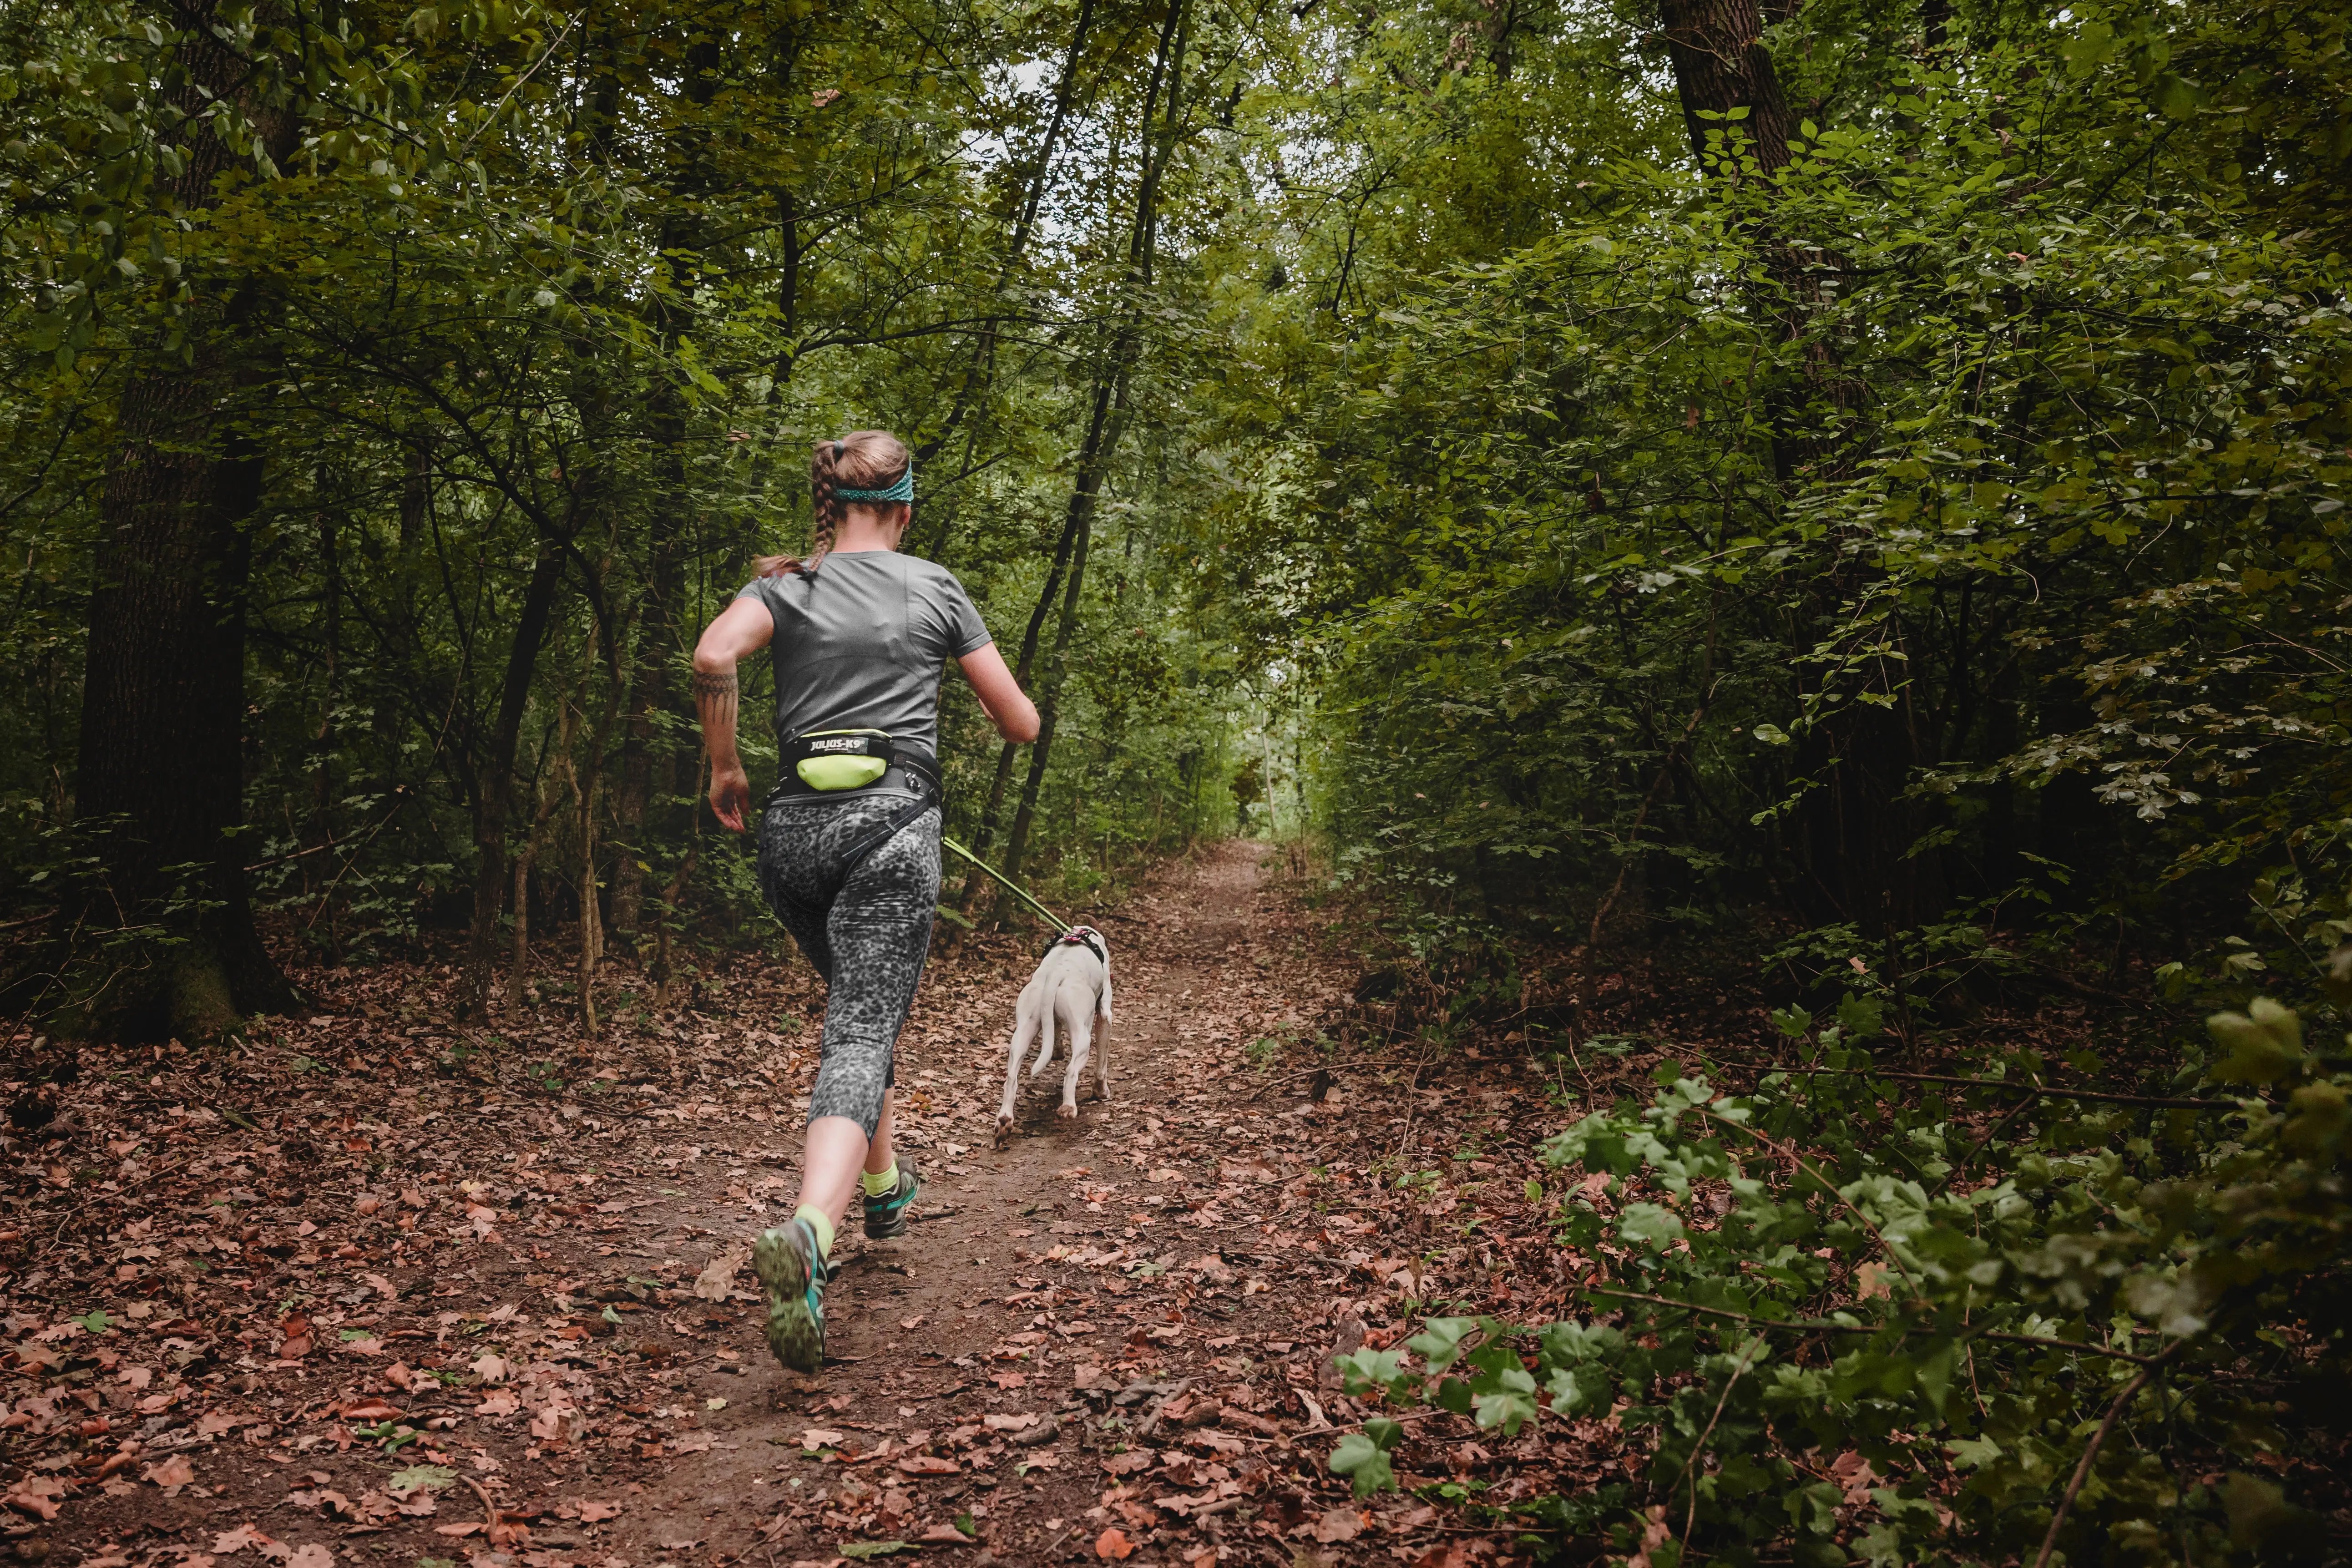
pixel 843 759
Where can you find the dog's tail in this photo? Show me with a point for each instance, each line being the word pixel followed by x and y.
pixel 1045 1031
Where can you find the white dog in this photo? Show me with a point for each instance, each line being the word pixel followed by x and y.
pixel 1072 987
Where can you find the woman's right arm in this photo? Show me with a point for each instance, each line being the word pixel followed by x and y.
pixel 742 629
pixel 1008 707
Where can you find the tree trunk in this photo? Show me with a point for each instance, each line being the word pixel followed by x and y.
pixel 1109 421
pixel 985 836
pixel 159 779
pixel 1092 464
pixel 518 974
pixel 1721 66
pixel 1855 829
pixel 649 756
pixel 491 801
pixel 981 370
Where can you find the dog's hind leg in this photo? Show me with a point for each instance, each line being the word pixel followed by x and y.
pixel 1081 1047
pixel 1098 1041
pixel 1021 1032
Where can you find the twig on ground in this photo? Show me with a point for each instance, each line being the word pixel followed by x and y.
pixel 2159 1102
pixel 1982 1143
pixel 1411 1105
pixel 1690 1514
pixel 490 1523
pixel 1152 1423
pixel 2091 1452
pixel 1336 1067
pixel 1818 1326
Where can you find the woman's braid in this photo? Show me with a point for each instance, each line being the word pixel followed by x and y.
pixel 825 481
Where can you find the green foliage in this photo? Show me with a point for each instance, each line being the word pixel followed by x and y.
pixel 1959 508
pixel 542 288
pixel 1960 1314
pixel 1363 1457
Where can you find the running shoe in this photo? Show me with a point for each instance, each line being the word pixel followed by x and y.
pixel 886 1215
pixel 793 1271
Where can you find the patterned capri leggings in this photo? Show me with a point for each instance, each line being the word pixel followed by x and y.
pixel 867 928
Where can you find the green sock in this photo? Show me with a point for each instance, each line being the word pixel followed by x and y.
pixel 819 1224
pixel 876 1182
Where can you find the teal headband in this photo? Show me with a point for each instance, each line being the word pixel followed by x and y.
pixel 902 490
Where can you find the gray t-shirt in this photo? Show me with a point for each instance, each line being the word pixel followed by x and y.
pixel 859 645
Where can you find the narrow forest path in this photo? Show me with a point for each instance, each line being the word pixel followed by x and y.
pixel 978 1357
pixel 378 1291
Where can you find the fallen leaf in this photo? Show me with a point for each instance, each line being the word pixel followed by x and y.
pixel 423 1477
pixel 467 1528
pixel 596 1512
pixel 229 1542
pixel 943 1535
pixel 312 1556
pixel 31 1501
pixel 928 1465
pixel 715 1281
pixel 818 1438
pixel 1113 1543
pixel 499 1403
pixel 1339 1524
pixel 491 1367
pixel 174 1471
pixel 369 1410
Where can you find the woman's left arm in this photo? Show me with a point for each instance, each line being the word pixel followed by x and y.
pixel 743 628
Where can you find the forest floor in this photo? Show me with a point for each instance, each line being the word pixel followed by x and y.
pixel 379 1289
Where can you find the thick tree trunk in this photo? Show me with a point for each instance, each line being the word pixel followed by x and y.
pixel 1721 66
pixel 160 780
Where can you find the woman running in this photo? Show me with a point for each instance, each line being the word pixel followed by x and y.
pixel 849 841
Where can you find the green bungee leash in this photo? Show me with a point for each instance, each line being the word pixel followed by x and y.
pixel 1018 891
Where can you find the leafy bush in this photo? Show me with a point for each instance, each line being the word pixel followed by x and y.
pixel 1847 1325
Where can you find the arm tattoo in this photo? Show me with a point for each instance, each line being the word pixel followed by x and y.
pixel 715 693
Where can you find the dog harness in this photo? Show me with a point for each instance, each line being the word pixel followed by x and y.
pixel 1081 936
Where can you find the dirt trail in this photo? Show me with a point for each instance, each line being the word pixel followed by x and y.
pixel 971 1321
pixel 373 1288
